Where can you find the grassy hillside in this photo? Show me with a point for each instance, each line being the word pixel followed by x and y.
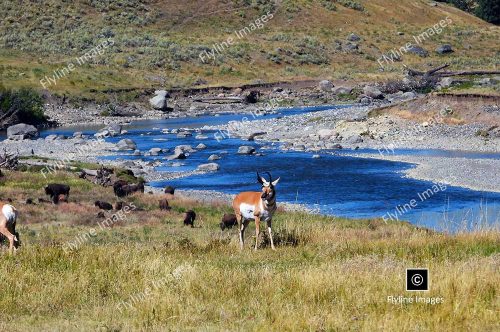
pixel 147 272
pixel 157 43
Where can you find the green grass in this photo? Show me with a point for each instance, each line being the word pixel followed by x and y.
pixel 326 274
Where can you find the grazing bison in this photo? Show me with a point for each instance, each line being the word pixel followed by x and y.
pixel 164 204
pixel 169 190
pixel 29 201
pixel 228 221
pixel 117 187
pixel 55 190
pixel 123 188
pixel 189 218
pixel 103 205
pixel 122 205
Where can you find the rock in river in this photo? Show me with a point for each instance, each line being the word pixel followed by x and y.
pixel 210 167
pixel 213 157
pixel 246 149
pixel 126 144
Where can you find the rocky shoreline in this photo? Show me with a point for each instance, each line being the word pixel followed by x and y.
pixel 472 173
pixel 356 127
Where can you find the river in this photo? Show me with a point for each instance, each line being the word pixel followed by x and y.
pixel 335 184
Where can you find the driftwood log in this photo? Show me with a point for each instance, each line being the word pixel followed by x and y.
pixel 102 176
pixel 435 72
pixel 9 160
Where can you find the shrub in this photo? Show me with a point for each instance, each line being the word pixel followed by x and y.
pixel 24 105
pixel 351 4
pixel 489 10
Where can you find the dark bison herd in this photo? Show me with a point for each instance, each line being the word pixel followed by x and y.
pixel 123 188
pixel 60 193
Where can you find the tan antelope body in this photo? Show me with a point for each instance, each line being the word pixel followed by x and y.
pixel 8 218
pixel 258 206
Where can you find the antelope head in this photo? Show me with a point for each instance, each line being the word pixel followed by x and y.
pixel 268 192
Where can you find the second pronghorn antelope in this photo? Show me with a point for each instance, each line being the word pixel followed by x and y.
pixel 8 218
pixel 258 206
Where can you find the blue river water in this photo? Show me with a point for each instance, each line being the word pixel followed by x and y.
pixel 335 184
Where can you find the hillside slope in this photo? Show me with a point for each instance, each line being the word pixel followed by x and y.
pixel 158 43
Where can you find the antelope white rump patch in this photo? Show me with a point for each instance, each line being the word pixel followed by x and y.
pixel 9 213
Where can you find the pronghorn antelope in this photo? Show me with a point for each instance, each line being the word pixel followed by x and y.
pixel 258 206
pixel 8 219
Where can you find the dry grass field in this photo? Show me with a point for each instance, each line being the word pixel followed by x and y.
pixel 148 272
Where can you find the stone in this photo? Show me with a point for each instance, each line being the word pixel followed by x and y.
pixel 443 49
pixel 373 92
pixel 78 134
pixel 326 86
pixel 184 134
pixel 409 95
pixel 201 146
pixel 342 90
pixel 114 129
pixel 246 149
pixel 177 155
pixel 252 136
pixel 446 82
pixel 354 139
pixel 102 134
pixel 210 167
pixel 488 81
pixel 22 131
pixel 353 37
pixel 414 49
pixel 137 152
pixel 126 144
pixel 155 151
pixel 185 148
pixel 51 138
pixel 326 133
pixel 349 47
pixel 200 136
pixel 159 101
pixel 214 157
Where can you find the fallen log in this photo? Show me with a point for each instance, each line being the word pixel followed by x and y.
pixel 413 72
pixel 434 72
pixel 8 160
pixel 472 72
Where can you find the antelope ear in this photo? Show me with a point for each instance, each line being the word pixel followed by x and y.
pixel 275 182
pixel 260 179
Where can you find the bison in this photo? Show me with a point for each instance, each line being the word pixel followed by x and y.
pixel 164 204
pixel 123 188
pixel 56 191
pixel 228 221
pixel 189 218
pixel 103 205
pixel 169 190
